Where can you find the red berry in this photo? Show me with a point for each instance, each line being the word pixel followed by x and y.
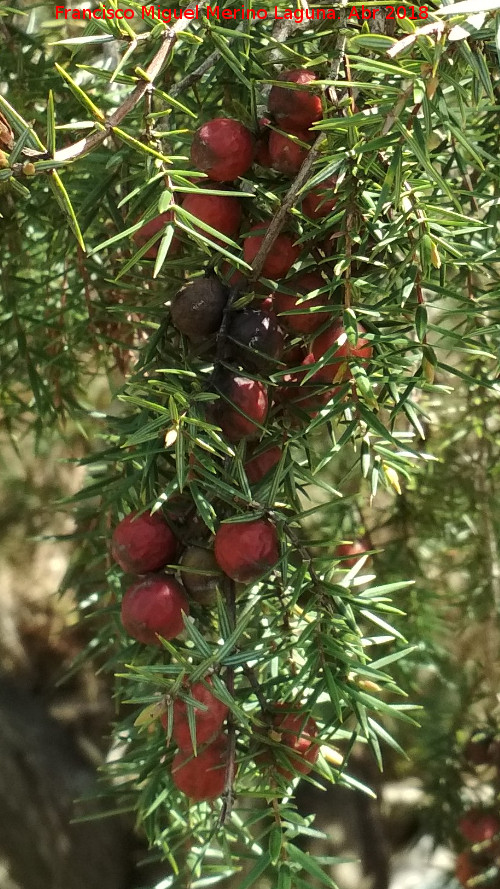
pixel 142 543
pixel 245 550
pixel 258 466
pixel 305 322
pixel 311 403
pixel 298 734
pixel 337 368
pixel 153 227
pixel 201 777
pixel 230 275
pixel 218 211
pixel 280 258
pixel 319 202
pixel 223 149
pixel 154 606
pixel 294 355
pixel 478 826
pixel 285 154
pixel 309 397
pixel 208 722
pixel 351 552
pixel 465 869
pixel 295 107
pixel 240 394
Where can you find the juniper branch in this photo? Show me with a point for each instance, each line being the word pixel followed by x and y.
pixel 84 146
pixel 278 220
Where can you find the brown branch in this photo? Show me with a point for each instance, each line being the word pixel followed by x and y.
pixel 305 555
pixel 197 74
pixel 252 678
pixel 224 328
pixel 281 33
pixel 317 582
pixel 278 220
pixel 83 146
pixel 396 111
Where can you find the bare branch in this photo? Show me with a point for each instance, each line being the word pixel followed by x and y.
pixel 278 220
pixel 83 146
pixel 197 74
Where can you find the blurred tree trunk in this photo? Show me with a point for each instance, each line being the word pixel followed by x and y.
pixel 41 776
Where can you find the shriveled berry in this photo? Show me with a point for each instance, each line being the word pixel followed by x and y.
pixel 303 321
pixel 201 586
pixel 245 550
pixel 243 408
pixel 287 155
pixel 154 606
pixel 223 149
pixel 256 340
pixel 343 354
pixel 260 464
pixel 220 212
pixel 142 543
pixel 281 256
pixel 198 307
pixel 295 107
pixel 208 718
pixel 201 777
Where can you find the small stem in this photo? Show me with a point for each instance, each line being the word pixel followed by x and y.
pixel 252 678
pixel 278 219
pixel 190 79
pixel 276 812
pixel 227 805
pixel 348 253
pixel 222 333
pixel 304 554
pixel 224 327
pixel 84 146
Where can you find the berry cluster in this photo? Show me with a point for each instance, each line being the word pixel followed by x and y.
pixel 279 355
pixel 154 605
pixel 205 779
pixel 275 332
pixel 153 608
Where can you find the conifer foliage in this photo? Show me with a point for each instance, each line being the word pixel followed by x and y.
pixel 277 239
